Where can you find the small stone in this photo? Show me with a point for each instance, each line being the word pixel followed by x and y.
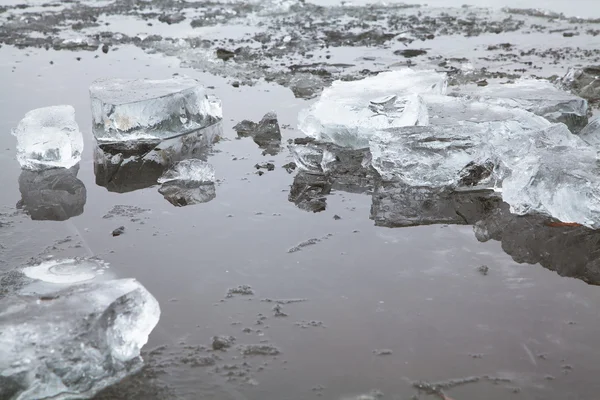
pixel 119 231
pixel 483 270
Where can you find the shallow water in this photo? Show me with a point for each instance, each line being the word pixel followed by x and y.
pixel 416 291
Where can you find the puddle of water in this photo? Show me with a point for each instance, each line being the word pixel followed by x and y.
pixel 415 291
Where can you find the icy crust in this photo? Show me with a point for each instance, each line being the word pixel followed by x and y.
pixel 72 343
pixel 47 138
pixel 142 109
pixel 348 113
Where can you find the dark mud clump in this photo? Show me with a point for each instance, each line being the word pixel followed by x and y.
pixel 383 352
pixel 242 290
pixel 278 311
pixel 222 342
pixel 119 231
pixel 309 242
pixel 289 167
pixel 266 133
pixel 483 270
pixel 410 53
pixel 309 191
pixel 259 350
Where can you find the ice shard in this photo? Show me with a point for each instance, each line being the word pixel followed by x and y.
pixel 459 133
pixel 72 343
pixel 554 173
pixel 144 109
pixel 48 138
pixel 591 133
pixel 537 96
pixel 348 113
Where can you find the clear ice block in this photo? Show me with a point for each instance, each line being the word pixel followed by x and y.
pixel 141 109
pixel 47 138
pixel 347 113
pixel 72 343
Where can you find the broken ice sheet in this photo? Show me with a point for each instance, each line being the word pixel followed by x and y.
pixel 72 343
pixel 554 173
pixel 459 133
pixel 537 96
pixel 53 194
pixel 48 138
pixel 347 113
pixel 137 109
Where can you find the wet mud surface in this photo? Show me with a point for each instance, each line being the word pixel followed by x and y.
pixel 276 283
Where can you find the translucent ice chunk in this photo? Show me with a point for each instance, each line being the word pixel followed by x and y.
pixel 537 96
pixel 591 133
pixel 134 109
pixel 192 170
pixel 459 132
pixel 70 270
pixel 347 113
pixel 48 138
pixel 72 343
pixel 554 173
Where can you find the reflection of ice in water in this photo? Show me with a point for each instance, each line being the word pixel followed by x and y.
pixel 70 270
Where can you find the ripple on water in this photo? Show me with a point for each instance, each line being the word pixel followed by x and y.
pixel 70 270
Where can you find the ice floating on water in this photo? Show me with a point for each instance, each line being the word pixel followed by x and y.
pixel 192 170
pixel 537 96
pixel 435 155
pixel 48 138
pixel 348 113
pixel 554 173
pixel 72 343
pixel 135 109
pixel 71 270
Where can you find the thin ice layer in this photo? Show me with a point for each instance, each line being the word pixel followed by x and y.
pixel 135 109
pixel 192 170
pixel 66 271
pixel 348 113
pixel 47 138
pixel 72 343
pixel 537 96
